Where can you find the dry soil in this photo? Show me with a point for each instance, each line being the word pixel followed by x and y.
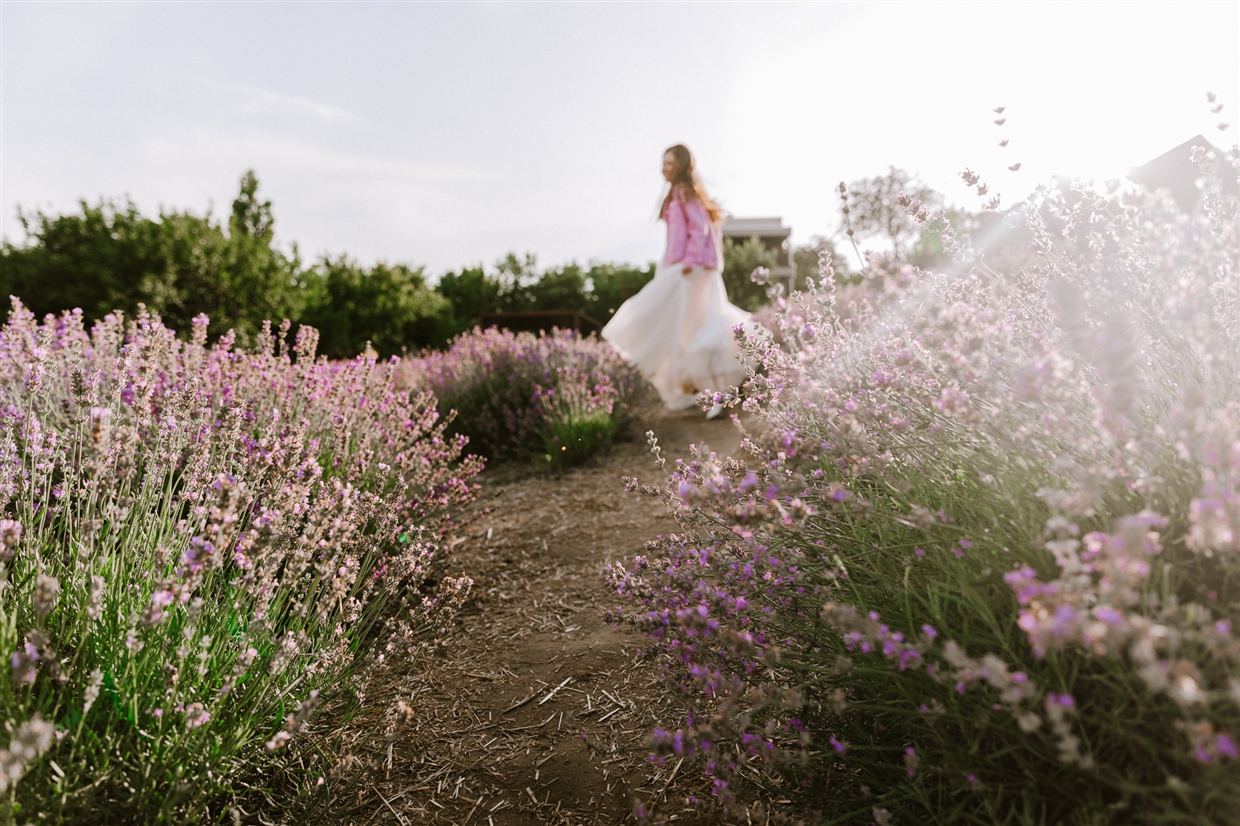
pixel 538 711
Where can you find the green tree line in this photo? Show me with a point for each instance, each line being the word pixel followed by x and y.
pixel 109 256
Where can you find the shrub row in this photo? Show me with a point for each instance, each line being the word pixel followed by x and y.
pixel 556 398
pixel 199 544
pixel 111 257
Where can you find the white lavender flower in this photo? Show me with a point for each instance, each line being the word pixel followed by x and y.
pixel 92 690
pixel 10 535
pixel 29 742
pixel 94 608
pixel 46 591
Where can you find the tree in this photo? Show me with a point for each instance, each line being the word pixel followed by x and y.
pixel 388 306
pixel 610 285
pixel 871 211
pixel 108 257
pixel 929 252
pixel 469 293
pixel 515 276
pixel 739 262
pixel 255 281
pixel 251 218
pixel 111 257
pixel 563 288
pixel 806 258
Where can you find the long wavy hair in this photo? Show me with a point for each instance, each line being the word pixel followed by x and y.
pixel 686 184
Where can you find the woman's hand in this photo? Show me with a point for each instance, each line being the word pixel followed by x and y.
pixel 686 269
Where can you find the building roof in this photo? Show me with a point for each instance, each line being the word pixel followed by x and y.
pixel 761 227
pixel 1175 172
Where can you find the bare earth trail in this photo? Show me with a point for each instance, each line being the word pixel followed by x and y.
pixel 538 711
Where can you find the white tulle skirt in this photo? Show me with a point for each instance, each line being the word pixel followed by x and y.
pixel 678 332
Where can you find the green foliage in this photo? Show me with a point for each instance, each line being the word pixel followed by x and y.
pixel 741 259
pixel 470 292
pixel 807 257
pixel 518 286
pixel 106 257
pixel 879 711
pixel 251 218
pixel 739 262
pixel 559 289
pixel 929 251
pixel 512 392
pixel 578 416
pixel 573 439
pixel 256 281
pixel 610 285
pixel 111 257
pixel 388 306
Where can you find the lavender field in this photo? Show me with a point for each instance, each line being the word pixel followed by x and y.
pixel 973 560
pixel 200 542
pixel 980 565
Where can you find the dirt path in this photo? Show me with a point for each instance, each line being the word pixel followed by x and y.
pixel 538 711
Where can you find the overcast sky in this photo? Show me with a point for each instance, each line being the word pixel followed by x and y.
pixel 447 134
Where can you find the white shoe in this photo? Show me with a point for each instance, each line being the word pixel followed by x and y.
pixel 714 411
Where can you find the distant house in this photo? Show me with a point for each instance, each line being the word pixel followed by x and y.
pixel 773 235
pixel 1175 172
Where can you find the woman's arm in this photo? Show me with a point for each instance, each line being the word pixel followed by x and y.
pixel 700 236
pixel 677 231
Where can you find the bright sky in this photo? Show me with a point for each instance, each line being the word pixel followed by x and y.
pixel 448 134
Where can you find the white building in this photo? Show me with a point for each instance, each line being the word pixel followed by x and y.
pixel 773 235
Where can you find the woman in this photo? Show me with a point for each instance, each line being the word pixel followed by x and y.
pixel 678 329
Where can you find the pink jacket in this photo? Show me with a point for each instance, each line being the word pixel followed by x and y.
pixel 691 237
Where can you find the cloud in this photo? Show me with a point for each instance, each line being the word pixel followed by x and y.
pixel 265 100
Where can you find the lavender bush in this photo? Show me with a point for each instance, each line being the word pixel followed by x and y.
pixel 197 545
pixel 981 565
pixel 556 397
